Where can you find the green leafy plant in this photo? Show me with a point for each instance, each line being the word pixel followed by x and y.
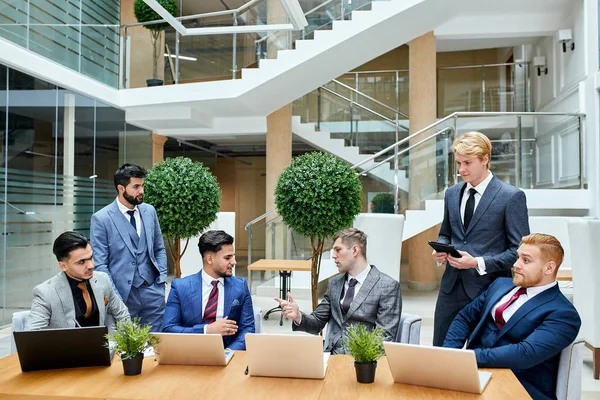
pixel 383 203
pixel 187 199
pixel 317 195
pixel 131 338
pixel 364 344
pixel 144 13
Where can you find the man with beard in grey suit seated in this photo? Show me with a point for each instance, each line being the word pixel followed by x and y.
pixel 360 294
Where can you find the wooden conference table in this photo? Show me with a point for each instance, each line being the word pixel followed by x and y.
pixel 191 382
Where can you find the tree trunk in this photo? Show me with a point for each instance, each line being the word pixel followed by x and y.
pixel 317 250
pixel 155 35
pixel 177 257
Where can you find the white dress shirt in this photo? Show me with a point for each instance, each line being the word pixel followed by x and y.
pixel 136 215
pixel 207 288
pixel 360 278
pixel 512 309
pixel 480 189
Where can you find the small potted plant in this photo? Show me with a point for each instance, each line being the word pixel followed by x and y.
pixel 366 346
pixel 130 340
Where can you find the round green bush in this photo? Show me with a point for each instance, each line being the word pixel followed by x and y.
pixel 185 194
pixel 144 13
pixel 383 203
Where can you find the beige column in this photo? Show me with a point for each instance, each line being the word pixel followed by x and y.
pixel 158 148
pixel 277 40
pixel 279 156
pixel 422 111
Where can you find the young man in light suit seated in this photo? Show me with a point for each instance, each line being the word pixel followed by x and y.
pixel 213 300
pixel 360 294
pixel 522 323
pixel 77 296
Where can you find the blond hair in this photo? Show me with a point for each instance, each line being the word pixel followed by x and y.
pixel 549 246
pixel 473 144
pixel 351 237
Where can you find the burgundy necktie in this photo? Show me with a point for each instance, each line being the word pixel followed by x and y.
pixel 210 312
pixel 500 310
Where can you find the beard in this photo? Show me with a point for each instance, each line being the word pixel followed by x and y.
pixel 527 281
pixel 132 200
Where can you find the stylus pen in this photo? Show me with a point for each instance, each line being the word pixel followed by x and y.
pixel 246 372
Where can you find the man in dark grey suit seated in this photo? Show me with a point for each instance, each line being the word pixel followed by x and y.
pixel 77 296
pixel 359 295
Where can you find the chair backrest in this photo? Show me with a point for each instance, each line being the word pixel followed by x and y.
pixel 257 319
pixel 409 330
pixel 20 322
pixel 568 382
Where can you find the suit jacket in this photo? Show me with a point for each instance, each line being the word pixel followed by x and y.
pixel 53 305
pixel 115 254
pixel 494 233
pixel 377 303
pixel 183 312
pixel 529 343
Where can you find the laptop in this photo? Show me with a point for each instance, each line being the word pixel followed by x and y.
pixel 286 356
pixel 62 348
pixel 191 349
pixel 437 367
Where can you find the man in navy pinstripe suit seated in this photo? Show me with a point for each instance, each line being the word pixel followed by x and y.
pixel 213 300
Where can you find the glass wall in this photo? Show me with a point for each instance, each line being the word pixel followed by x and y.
pixel 80 34
pixel 59 152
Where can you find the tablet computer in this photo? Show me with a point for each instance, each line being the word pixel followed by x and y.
pixel 445 248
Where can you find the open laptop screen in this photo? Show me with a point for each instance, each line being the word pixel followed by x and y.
pixel 62 348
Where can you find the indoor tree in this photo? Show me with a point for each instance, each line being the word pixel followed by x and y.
pixel 317 195
pixel 187 198
pixel 144 13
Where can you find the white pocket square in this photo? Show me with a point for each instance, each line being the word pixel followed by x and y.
pixel 235 303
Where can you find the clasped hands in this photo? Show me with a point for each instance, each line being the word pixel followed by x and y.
pixel 290 308
pixel 224 327
pixel 467 261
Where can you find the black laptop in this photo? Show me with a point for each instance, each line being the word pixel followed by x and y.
pixel 62 348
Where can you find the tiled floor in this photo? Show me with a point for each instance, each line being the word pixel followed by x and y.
pixel 421 303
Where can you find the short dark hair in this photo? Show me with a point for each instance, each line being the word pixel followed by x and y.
pixel 213 241
pixel 66 242
pixel 126 172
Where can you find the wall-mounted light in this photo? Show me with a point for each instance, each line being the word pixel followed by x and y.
pixel 540 63
pixel 182 57
pixel 565 36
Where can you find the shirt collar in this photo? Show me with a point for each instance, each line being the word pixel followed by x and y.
pixel 362 276
pixel 124 209
pixel 482 185
pixel 207 279
pixel 535 290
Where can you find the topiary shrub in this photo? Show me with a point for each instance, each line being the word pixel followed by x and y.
pixel 383 203
pixel 187 198
pixel 144 13
pixel 317 195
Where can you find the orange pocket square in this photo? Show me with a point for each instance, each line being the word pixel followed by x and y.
pixel 105 300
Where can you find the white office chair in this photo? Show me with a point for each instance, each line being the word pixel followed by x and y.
pixel 20 322
pixel 568 382
pixel 409 330
pixel 257 319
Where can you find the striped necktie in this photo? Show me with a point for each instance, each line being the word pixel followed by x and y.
pixel 210 312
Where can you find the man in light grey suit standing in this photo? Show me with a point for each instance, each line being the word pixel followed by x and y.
pixel 361 294
pixel 485 219
pixel 128 246
pixel 76 296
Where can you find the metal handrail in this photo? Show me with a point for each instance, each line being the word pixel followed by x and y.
pixel 365 108
pixel 370 98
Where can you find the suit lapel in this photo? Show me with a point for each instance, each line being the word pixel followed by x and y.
pixel 63 291
pixel 228 296
pixel 99 296
pixel 529 306
pixel 488 196
pixel 146 227
pixel 121 224
pixel 454 206
pixel 490 303
pixel 195 297
pixel 372 278
pixel 337 285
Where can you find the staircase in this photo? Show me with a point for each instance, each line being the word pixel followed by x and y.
pixel 179 109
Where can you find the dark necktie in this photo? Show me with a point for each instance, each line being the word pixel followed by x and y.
pixel 349 296
pixel 210 312
pixel 470 207
pixel 500 310
pixel 87 298
pixel 132 219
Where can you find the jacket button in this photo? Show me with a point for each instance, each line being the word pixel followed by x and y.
pixel 464 242
pixel 133 263
pixel 129 282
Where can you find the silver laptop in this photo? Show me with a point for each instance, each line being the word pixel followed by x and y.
pixel 438 367
pixel 191 349
pixel 286 356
